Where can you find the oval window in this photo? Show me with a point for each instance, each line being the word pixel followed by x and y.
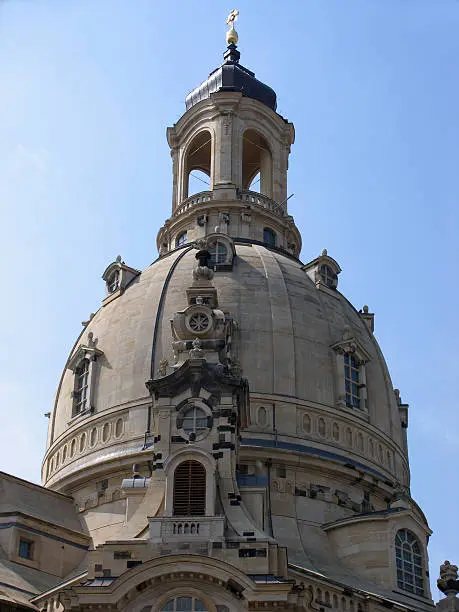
pixel 321 427
pixel 119 428
pixel 262 418
pixel 336 431
pixel 93 437
pixel 82 442
pixel 306 423
pixel 106 432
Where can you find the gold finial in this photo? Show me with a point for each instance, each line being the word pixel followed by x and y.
pixel 231 35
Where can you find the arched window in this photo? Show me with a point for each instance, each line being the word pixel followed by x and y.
pixel 269 237
pixel 352 381
pixel 198 164
pixel 181 239
pixel 256 160
pixel 81 387
pixel 218 253
pixel 189 489
pixel 184 604
pixel 408 555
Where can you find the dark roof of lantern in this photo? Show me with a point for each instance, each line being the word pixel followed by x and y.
pixel 231 76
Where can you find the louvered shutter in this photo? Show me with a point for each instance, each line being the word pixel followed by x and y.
pixel 190 489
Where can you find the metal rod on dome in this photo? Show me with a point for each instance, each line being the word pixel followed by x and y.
pixel 285 201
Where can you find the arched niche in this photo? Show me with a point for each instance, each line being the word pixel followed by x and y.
pixel 197 164
pixel 256 160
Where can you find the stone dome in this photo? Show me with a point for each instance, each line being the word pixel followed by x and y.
pixel 287 332
pixel 228 400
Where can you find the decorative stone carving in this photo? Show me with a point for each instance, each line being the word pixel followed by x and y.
pixel 162 370
pixel 196 352
pixel 448 571
pixel 202 271
pixel 448 582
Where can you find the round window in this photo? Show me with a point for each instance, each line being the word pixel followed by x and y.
pixel 199 322
pixel 194 421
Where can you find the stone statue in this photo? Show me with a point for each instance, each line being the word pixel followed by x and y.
pixel 448 571
pixel 448 582
pixel 162 370
pixel 196 352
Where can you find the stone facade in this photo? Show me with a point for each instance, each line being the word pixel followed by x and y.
pixel 225 434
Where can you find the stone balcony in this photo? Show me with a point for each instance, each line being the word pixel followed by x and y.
pixel 250 198
pixel 186 529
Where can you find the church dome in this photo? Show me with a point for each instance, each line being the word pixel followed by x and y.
pixel 228 402
pixel 287 344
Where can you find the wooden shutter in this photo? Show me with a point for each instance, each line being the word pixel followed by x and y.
pixel 190 489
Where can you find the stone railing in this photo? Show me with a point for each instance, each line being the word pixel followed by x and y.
pixel 186 529
pixel 192 201
pixel 253 197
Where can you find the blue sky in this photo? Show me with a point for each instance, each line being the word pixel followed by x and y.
pixel 88 89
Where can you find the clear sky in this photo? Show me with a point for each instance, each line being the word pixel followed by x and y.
pixel 87 90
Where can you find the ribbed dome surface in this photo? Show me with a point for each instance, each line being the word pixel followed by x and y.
pixel 286 328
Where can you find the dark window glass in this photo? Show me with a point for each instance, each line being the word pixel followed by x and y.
pixel 181 239
pixel 351 381
pixel 25 549
pixel 269 237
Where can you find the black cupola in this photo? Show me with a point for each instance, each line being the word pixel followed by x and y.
pixel 231 76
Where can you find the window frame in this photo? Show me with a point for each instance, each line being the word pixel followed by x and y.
pixel 207 414
pixel 114 281
pixel 29 543
pixel 417 585
pixel 216 261
pixel 90 354
pixel 194 487
pixel 346 350
pixel 352 381
pixel 193 599
pixel 181 239
pixel 81 390
pixel 327 276
pixel 270 243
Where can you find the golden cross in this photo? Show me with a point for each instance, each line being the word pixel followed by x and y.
pixel 232 17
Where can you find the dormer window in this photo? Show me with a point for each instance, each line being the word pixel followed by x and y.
pixel 218 254
pixel 83 364
pixel 328 277
pixel 181 239
pixel 269 237
pixel 81 386
pixel 113 282
pixel 351 381
pixel 351 360
pixel 222 251
pixel 324 270
pixel 117 276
